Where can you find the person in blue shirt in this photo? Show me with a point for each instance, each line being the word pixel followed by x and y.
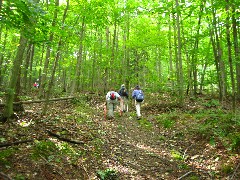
pixel 138 97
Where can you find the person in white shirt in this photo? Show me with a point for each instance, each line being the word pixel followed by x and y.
pixel 112 101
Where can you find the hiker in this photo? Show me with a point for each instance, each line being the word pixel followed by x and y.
pixel 112 101
pixel 36 85
pixel 124 95
pixel 138 97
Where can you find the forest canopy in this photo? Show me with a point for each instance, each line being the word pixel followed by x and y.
pixel 182 46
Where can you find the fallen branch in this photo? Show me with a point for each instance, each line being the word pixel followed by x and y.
pixel 4 176
pixel 49 133
pixel 15 143
pixel 64 139
pixel 183 176
pixel 235 171
pixel 42 100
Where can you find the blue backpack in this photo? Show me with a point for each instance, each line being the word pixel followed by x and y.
pixel 139 96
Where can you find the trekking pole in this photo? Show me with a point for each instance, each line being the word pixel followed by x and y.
pixel 105 111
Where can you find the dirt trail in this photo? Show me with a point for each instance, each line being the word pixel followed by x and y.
pixel 136 150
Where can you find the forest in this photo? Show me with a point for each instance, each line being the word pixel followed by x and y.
pixel 59 58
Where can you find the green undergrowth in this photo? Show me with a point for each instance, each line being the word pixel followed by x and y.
pixel 218 126
pixel 215 125
pixel 167 120
pixel 75 124
pixel 145 124
pixel 6 155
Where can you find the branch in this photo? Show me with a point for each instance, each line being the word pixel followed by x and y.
pixel 235 171
pixel 4 176
pixel 183 176
pixel 39 101
pixel 15 143
pixel 64 139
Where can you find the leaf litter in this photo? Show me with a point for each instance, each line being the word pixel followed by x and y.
pixel 149 148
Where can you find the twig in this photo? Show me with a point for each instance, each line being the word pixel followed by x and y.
pixel 185 175
pixel 186 151
pixel 235 171
pixel 64 139
pixel 4 176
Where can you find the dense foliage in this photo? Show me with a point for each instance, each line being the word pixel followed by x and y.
pixel 186 47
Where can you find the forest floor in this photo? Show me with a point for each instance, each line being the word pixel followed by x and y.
pixel 75 141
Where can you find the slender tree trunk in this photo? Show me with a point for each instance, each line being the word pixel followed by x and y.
pixel 2 56
pixel 93 68
pixel 8 110
pixel 220 67
pixel 205 64
pixel 79 59
pixel 57 57
pixel 195 51
pixel 126 58
pixel 236 50
pixel 44 81
pixel 27 69
pixel 179 57
pixel 171 74
pixel 106 70
pixel 29 83
pixel 230 57
pixel 112 75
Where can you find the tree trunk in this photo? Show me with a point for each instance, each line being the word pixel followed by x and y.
pixel 195 51
pixel 2 57
pixel 179 57
pixel 171 74
pixel 230 57
pixel 220 67
pixel 27 69
pixel 8 110
pixel 79 59
pixel 57 57
pixel 112 72
pixel 44 81
pixel 236 50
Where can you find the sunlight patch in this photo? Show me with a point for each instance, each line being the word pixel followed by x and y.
pixel 25 122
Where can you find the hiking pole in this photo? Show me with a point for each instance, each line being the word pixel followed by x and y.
pixel 105 111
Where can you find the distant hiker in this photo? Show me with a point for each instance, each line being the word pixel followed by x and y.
pixel 124 95
pixel 138 97
pixel 112 101
pixel 36 85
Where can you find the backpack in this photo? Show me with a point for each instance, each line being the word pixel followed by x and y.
pixel 123 92
pixel 112 96
pixel 140 97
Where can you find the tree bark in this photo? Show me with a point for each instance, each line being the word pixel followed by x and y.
pixel 236 50
pixel 8 110
pixel 57 57
pixel 79 59
pixel 179 57
pixel 230 56
pixel 43 79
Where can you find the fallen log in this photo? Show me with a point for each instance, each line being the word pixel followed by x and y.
pixel 41 100
pixel 15 143
pixel 31 140
pixel 64 139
